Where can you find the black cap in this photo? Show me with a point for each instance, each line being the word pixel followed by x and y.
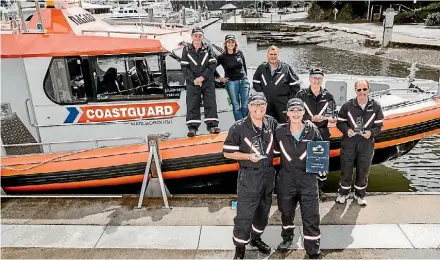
pixel 230 37
pixel 197 30
pixel 257 97
pixel 316 72
pixel 295 103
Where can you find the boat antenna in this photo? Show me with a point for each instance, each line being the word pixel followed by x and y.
pixel 412 73
pixel 20 14
pixel 37 7
pixel 438 89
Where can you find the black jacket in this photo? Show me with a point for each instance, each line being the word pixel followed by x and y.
pixel 234 65
pixel 317 105
pixel 242 133
pixel 293 152
pixel 372 116
pixel 201 63
pixel 284 82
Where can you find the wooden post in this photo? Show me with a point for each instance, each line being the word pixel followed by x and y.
pixel 154 167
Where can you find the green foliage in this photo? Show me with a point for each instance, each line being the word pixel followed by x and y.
pixel 346 13
pixel 433 19
pixel 418 16
pixel 323 10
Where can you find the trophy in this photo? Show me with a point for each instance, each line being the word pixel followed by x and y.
pixel 257 142
pixel 359 128
pixel 330 111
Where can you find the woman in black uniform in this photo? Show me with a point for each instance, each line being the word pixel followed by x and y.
pixel 293 183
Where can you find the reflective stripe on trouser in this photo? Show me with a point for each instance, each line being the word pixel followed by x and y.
pixel 356 151
pixel 300 188
pixel 254 189
pixel 193 99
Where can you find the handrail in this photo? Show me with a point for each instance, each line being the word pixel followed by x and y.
pixel 153 23
pixel 129 32
pixel 31 122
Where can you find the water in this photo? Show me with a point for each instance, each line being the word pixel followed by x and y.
pixel 419 170
pixel 303 57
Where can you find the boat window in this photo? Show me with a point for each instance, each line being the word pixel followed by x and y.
pixel 126 78
pixel 175 78
pixel 64 82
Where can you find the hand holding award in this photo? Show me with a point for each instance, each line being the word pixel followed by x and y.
pixel 359 127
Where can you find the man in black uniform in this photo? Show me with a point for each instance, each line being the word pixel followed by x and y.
pixel 360 120
pixel 277 81
pixel 294 184
pixel 198 65
pixel 320 109
pixel 250 141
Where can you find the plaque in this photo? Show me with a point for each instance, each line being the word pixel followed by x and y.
pixel 359 128
pixel 317 156
pixel 330 111
pixel 257 142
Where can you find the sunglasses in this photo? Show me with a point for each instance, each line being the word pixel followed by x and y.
pixel 259 104
pixel 360 89
pixel 296 109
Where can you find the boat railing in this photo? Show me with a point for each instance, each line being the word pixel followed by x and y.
pixel 141 34
pixel 157 24
pixel 96 142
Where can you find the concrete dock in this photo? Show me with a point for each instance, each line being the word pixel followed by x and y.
pixel 405 35
pixel 398 225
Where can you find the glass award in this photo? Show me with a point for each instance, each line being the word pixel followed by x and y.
pixel 257 142
pixel 359 128
pixel 330 111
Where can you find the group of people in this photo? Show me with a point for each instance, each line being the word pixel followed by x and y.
pixel 280 118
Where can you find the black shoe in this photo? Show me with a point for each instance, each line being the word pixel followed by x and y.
pixel 322 196
pixel 239 252
pixel 315 256
pixel 285 245
pixel 191 133
pixel 214 130
pixel 262 247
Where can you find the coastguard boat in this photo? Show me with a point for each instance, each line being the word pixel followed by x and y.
pixel 80 97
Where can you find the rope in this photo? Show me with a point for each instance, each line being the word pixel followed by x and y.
pixel 46 161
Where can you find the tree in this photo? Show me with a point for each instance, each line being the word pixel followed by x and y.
pixel 283 4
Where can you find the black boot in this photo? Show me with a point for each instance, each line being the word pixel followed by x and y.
pixel 191 132
pixel 322 196
pixel 284 246
pixel 315 256
pixel 262 247
pixel 239 252
pixel 214 130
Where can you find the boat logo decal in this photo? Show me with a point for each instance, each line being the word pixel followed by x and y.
pixel 108 113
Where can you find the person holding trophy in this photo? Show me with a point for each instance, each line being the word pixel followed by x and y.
pixel 320 108
pixel 360 120
pixel 250 141
pixel 294 182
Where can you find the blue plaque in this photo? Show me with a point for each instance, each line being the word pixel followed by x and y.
pixel 317 156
